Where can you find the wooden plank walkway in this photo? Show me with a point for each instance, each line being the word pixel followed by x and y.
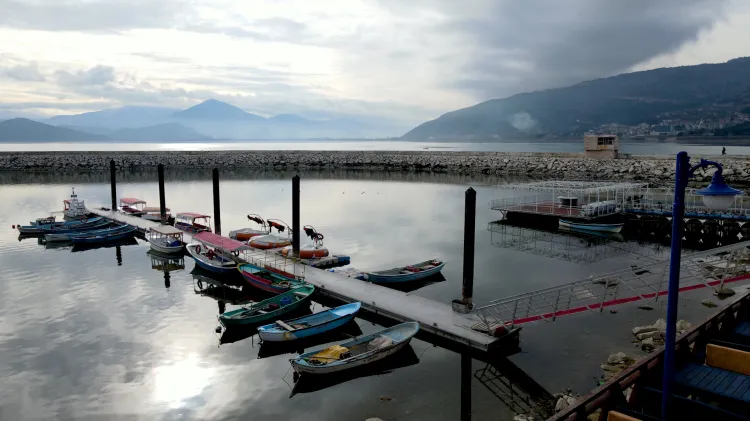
pixel 433 316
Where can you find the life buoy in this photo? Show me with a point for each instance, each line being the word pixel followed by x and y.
pixel 210 254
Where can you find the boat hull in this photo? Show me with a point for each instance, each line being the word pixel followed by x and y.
pixel 190 228
pixel 245 234
pixel 270 334
pixel 256 319
pixel 51 238
pixel 104 238
pixel 161 248
pixel 210 265
pixel 64 227
pixel 612 228
pixel 267 285
pixel 410 277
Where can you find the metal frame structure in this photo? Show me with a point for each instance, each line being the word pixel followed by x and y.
pixel 658 201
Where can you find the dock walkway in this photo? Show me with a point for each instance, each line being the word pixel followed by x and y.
pixel 433 316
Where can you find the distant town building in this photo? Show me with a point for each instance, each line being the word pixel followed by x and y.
pixel 603 146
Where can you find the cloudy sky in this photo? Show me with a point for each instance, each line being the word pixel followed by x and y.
pixel 407 60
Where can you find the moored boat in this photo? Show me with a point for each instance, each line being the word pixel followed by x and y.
pixel 590 227
pixel 57 237
pixel 165 239
pixel 409 273
pixel 357 352
pixel 267 279
pixel 64 226
pixel 123 234
pixel 151 213
pixel 215 253
pixel 268 309
pixel 186 221
pixel 309 251
pixel 47 220
pixel 245 234
pixel 74 208
pixel 132 206
pixel 307 326
pixel 272 241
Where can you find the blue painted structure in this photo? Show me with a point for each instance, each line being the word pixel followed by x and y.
pixel 311 325
pixel 122 234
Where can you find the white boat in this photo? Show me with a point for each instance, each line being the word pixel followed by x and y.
pixel 165 239
pixel 132 206
pixel 151 213
pixel 272 241
pixel 357 352
pixel 186 222
pixel 215 253
pixel 245 234
pixel 590 227
pixel 74 208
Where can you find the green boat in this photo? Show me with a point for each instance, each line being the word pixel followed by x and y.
pixel 269 309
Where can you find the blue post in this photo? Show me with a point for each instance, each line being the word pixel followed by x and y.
pixel 682 173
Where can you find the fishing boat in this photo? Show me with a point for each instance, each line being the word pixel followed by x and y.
pixel 357 352
pixel 309 251
pixel 311 325
pixel 47 220
pixel 64 226
pixel 269 280
pixel 268 309
pixel 151 213
pixel 132 206
pixel 186 222
pixel 244 234
pixel 165 239
pixel 272 241
pixel 215 253
pixel 74 208
pixel 590 227
pixel 409 273
pixel 57 237
pixel 123 234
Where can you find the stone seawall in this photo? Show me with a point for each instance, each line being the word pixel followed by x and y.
pixel 654 169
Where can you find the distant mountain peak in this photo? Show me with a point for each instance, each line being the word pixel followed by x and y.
pixel 212 109
pixel 289 118
pixel 25 130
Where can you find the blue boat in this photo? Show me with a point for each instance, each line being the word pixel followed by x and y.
pixel 106 237
pixel 214 253
pixel 614 228
pixel 55 237
pixel 409 273
pixel 64 227
pixel 314 324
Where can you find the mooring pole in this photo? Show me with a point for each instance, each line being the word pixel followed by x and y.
pixel 470 216
pixel 217 204
pixel 113 183
pixel 465 387
pixel 295 215
pixel 162 199
pixel 118 255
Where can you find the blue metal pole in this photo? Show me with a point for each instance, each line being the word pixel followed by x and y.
pixel 682 173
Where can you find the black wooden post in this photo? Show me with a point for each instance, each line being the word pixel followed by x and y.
pixel 113 183
pixel 118 255
pixel 162 199
pixel 469 233
pixel 217 204
pixel 295 215
pixel 465 387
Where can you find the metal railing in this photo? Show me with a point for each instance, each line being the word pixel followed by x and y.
pixel 272 259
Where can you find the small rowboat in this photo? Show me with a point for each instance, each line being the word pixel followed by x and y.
pixel 245 234
pixel 311 325
pixel 165 239
pixel 186 222
pixel 269 309
pixel 357 352
pixel 64 227
pixel 132 206
pixel 274 281
pixel 590 227
pixel 409 273
pixel 51 238
pixel 214 252
pixel 122 234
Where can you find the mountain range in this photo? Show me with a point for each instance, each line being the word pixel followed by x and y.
pixel 686 92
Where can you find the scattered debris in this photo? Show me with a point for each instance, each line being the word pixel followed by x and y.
pixel 615 364
pixel 523 417
pixel 724 293
pixel 375 419
pixel 386 398
pixel 708 303
pixel 648 345
pixel 564 400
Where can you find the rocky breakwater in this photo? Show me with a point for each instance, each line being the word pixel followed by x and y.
pixel 658 169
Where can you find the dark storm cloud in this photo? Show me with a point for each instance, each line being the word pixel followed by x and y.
pixel 515 46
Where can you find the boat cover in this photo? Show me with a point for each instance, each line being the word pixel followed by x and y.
pixel 332 353
pixel 132 201
pixel 219 242
pixel 192 215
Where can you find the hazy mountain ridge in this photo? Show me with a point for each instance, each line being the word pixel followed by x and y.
pixel 25 130
pixel 630 98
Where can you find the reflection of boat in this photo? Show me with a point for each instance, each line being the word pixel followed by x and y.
pixel 165 239
pixel 64 227
pixel 590 227
pixel 244 234
pixel 357 352
pixel 266 279
pixel 207 284
pixel 409 273
pixel 214 252
pixel 104 237
pixel 186 222
pixel 309 251
pixel 268 309
pixel 132 206
pixel 614 236
pixel 151 213
pixel 166 262
pixel 309 384
pixel 272 241
pixel 315 324
pixel 130 241
pixel 74 208
pixel 272 349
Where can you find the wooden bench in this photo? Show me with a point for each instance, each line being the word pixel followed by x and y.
pixel 618 416
pixel 727 358
pixel 715 381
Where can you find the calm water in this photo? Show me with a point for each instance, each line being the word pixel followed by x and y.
pixel 635 148
pixel 100 334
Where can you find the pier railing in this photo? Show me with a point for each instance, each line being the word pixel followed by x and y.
pixel 535 204
pixel 645 284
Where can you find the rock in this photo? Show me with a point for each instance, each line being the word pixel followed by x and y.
pixel 563 402
pixel 375 419
pixel 617 358
pixel 724 293
pixel 523 417
pixel 683 325
pixel 648 345
pixel 643 329
pixel 708 303
pixel 660 325
pixel 653 334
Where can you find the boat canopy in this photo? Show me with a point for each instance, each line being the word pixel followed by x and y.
pixel 192 215
pixel 132 201
pixel 167 230
pixel 219 242
pixel 154 209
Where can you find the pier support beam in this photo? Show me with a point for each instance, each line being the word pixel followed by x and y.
pixel 113 183
pixel 465 387
pixel 217 203
pixel 467 290
pixel 295 215
pixel 162 199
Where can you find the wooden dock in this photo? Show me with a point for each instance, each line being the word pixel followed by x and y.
pixel 434 317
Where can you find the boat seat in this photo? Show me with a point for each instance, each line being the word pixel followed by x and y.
pixel 715 381
pixel 618 416
pixel 730 359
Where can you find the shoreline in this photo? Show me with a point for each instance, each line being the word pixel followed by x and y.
pixel 562 165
